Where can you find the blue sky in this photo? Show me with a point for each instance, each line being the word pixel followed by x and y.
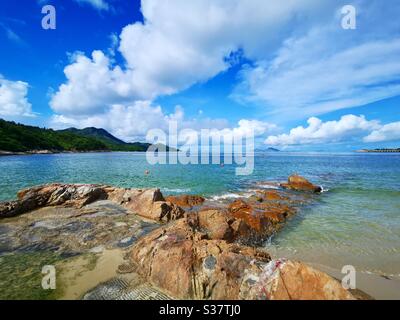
pixel 289 71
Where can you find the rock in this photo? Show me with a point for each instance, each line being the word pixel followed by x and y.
pixel 298 183
pixel 186 201
pixel 292 280
pixel 164 212
pixel 14 208
pixel 217 224
pixel 271 195
pixel 52 195
pixel 182 261
pixel 179 260
pixel 148 203
pixel 261 219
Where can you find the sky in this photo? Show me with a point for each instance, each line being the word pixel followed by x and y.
pixel 286 69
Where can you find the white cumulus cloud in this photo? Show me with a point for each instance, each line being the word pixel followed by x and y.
pixel 347 128
pixel 13 98
pixel 132 122
pixel 128 122
pixel 179 44
pixel 91 86
pixel 388 132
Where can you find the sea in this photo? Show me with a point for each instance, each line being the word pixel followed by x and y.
pixel 355 221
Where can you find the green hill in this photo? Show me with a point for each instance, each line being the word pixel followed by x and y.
pixel 95 133
pixel 16 137
pixel 112 143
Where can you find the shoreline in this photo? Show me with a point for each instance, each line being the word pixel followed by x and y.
pixel 4 153
pixel 397 150
pixel 377 286
pixel 47 152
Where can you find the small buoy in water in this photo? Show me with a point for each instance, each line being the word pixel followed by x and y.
pixel 147 172
pixel 222 165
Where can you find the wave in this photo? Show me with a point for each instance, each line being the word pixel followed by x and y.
pixel 324 189
pixel 177 190
pixel 268 186
pixel 231 195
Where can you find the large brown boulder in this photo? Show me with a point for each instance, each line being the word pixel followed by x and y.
pixel 216 224
pixel 293 280
pixel 298 183
pixel 186 264
pixel 148 203
pixel 258 220
pixel 186 201
pixel 181 261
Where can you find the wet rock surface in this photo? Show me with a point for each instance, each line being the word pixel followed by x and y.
pixel 69 230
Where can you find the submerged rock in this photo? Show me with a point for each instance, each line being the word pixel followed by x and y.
pixel 67 230
pixel 298 183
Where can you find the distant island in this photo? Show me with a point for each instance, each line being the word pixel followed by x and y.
pixel 19 138
pixel 273 150
pixel 379 150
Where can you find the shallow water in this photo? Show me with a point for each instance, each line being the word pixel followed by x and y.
pixel 356 222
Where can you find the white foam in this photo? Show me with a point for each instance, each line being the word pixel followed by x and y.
pixel 269 186
pixel 324 190
pixel 176 190
pixel 232 195
pixel 226 196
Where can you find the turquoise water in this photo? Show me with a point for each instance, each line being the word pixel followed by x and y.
pixel 356 221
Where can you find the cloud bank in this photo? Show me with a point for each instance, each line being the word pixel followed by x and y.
pixel 348 128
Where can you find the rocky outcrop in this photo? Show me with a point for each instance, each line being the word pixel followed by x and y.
pixel 258 219
pixel 298 183
pixel 148 203
pixel 186 201
pixel 52 195
pixel 201 255
pixel 251 221
pixel 187 264
pixel 216 224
